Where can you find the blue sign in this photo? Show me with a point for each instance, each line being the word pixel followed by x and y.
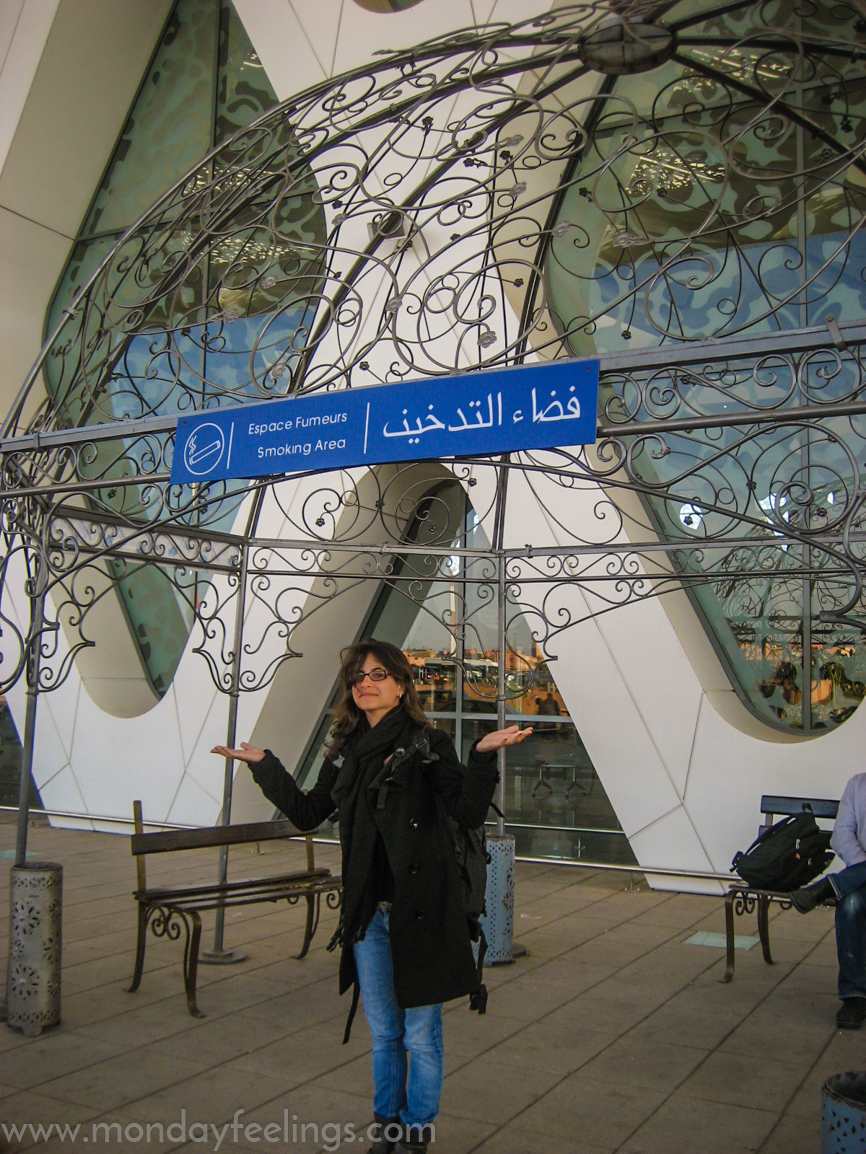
pixel 477 414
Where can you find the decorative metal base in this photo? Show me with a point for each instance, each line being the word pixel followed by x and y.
pixel 518 950
pixel 33 990
pixel 498 922
pixel 220 957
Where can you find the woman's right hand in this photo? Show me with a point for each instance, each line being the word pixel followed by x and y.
pixel 247 753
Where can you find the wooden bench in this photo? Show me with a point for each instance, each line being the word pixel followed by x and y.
pixel 165 909
pixel 743 899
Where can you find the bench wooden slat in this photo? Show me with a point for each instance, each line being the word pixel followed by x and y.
pixel 254 896
pixel 177 839
pixel 227 887
pixel 819 806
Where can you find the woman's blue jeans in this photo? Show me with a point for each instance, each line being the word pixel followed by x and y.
pixel 403 1040
pixel 848 885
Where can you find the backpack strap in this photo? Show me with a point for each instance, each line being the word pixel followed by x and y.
pixel 400 755
pixel 422 746
pixel 764 832
pixel 478 999
pixel 356 993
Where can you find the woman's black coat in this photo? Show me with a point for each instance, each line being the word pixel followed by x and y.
pixel 430 943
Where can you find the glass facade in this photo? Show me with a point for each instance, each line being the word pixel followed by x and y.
pixel 633 265
pixel 555 804
pixel 10 761
pixel 205 83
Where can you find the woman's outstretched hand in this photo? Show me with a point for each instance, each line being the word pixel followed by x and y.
pixel 513 735
pixel 246 752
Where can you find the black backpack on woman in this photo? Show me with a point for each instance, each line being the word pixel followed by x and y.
pixel 470 851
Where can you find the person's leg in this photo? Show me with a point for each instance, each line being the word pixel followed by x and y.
pixel 423 1040
pixel 838 885
pixel 851 949
pixel 848 880
pixel 384 1017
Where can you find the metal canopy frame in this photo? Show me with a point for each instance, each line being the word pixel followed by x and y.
pixel 401 221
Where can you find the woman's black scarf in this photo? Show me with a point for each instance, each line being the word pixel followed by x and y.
pixel 363 766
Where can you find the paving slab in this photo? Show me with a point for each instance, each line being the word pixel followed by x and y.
pixel 662 1067
pixel 736 1079
pixel 601 1113
pixel 610 1035
pixel 685 1125
pixel 483 1090
pixel 794 1135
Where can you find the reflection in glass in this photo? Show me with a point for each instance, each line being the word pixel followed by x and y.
pixel 697 211
pixel 205 82
pixel 10 762
pixel 555 804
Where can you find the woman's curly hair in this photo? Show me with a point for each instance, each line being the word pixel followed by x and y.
pixel 347 714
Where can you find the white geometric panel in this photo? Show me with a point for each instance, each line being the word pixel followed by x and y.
pixel 117 759
pixel 672 843
pixel 320 21
pixel 62 705
pixel 62 793
pixel 362 33
pixel 271 27
pixel 49 756
pixel 203 767
pixel 191 805
pixel 194 695
pixel 669 683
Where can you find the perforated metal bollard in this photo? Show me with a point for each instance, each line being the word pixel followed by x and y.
pixel 498 923
pixel 33 984
pixel 843 1114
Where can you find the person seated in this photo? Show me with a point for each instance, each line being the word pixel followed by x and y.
pixel 848 886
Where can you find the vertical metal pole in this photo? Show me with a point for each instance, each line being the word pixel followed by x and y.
pixel 805 447
pixel 218 955
pixel 499 921
pixel 807 643
pixel 502 623
pixel 26 768
pixel 460 673
pixel 34 655
pixel 501 629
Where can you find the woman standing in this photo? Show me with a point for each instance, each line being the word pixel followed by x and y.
pixel 403 928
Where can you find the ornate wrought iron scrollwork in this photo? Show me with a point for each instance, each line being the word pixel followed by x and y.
pixel 458 206
pixel 744 903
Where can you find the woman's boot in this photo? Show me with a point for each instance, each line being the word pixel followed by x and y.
pixel 382 1144
pixel 416 1142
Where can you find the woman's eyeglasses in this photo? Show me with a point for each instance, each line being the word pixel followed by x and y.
pixel 374 675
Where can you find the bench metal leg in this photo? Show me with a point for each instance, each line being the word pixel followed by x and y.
pixel 729 937
pixel 764 928
pixel 190 961
pixel 312 922
pixel 143 918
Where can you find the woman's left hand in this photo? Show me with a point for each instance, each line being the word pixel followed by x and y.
pixel 513 735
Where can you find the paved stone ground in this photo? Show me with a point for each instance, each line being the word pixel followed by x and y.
pixel 612 1035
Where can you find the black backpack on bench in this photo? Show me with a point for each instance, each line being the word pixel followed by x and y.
pixel 789 854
